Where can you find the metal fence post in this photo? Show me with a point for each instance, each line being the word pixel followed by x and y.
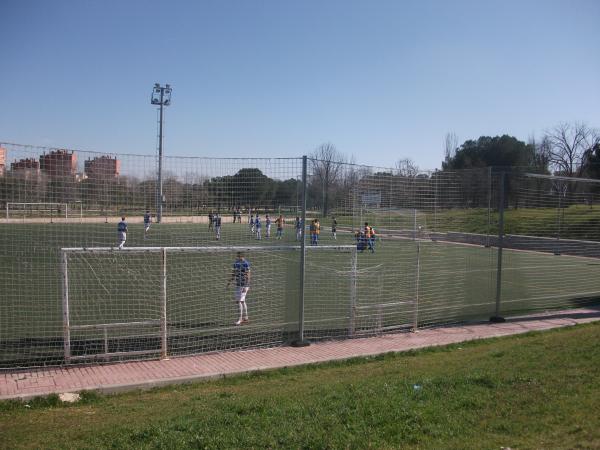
pixel 65 306
pixel 353 292
pixel 435 203
pixel 417 283
pixel 489 206
pixel 496 317
pixel 558 222
pixel 163 309
pixel 301 342
pixel 414 224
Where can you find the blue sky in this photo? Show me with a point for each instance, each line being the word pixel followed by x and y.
pixel 380 80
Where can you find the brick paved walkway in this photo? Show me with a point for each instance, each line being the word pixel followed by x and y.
pixel 143 374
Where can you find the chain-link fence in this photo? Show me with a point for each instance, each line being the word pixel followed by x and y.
pixel 332 251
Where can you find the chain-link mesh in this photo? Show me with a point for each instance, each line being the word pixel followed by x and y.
pixel 386 251
pixel 552 242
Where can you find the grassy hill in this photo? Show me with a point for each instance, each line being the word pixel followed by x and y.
pixel 539 390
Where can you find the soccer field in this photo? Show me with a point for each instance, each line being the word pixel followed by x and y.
pixel 403 282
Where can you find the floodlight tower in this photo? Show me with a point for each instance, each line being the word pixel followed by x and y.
pixel 161 96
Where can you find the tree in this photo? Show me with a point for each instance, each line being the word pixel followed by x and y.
pixel 407 168
pixel 251 188
pixel 327 167
pixel 498 151
pixel 542 155
pixel 592 160
pixel 487 151
pixel 287 193
pixel 569 143
pixel 450 146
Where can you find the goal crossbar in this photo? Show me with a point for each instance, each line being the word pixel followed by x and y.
pixel 207 249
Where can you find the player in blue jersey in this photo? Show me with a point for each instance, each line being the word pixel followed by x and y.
pixel 334 227
pixel 217 220
pixel 147 221
pixel 268 225
pixel 241 275
pixel 122 231
pixel 258 226
pixel 298 228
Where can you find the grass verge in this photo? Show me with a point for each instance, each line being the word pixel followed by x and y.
pixel 539 390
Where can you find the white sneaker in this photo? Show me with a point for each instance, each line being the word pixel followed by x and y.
pixel 239 322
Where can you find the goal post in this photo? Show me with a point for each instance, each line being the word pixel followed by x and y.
pixel 169 301
pixel 37 209
pixel 103 327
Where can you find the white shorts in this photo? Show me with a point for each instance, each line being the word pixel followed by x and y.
pixel 240 293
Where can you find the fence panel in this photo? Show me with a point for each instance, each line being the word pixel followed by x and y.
pixel 436 256
pixel 552 243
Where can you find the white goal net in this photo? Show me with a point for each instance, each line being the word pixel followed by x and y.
pixel 39 210
pixel 168 301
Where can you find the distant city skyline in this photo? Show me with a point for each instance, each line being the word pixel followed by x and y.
pixel 381 81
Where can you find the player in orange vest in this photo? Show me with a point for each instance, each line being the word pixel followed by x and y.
pixel 370 236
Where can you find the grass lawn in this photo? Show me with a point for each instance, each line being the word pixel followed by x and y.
pixel 579 222
pixel 539 390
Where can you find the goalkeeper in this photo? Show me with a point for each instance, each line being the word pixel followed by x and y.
pixel 122 232
pixel 147 221
pixel 241 275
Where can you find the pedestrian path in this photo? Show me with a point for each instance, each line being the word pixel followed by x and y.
pixel 145 374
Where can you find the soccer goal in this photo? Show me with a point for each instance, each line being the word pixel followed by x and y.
pixel 150 302
pixel 407 223
pixel 38 210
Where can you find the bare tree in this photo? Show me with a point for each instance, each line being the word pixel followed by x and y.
pixel 569 143
pixel 350 175
pixel 407 168
pixel 540 157
pixel 450 146
pixel 327 167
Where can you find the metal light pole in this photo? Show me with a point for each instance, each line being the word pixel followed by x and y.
pixel 161 96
